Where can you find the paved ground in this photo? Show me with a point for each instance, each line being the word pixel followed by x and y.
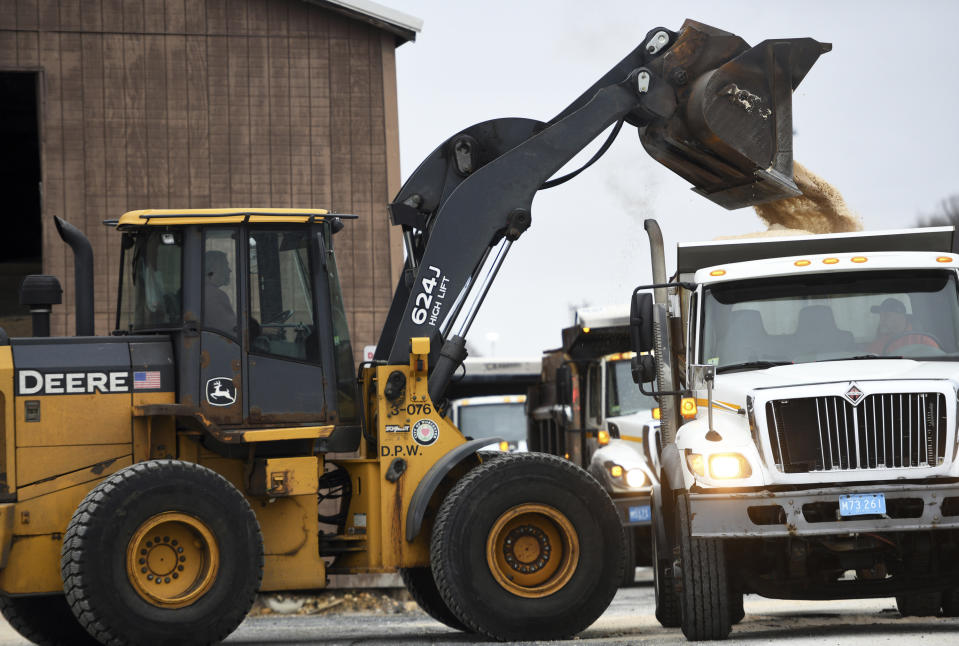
pixel 629 620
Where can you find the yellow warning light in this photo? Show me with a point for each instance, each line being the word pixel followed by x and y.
pixel 802 263
pixel 830 261
pixel 566 455
pixel 616 471
pixel 859 259
pixel 657 413
pixel 687 408
pixel 504 446
pixel 943 259
pixel 585 330
pixel 718 272
pixel 603 438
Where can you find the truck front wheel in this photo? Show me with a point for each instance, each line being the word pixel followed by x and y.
pixel 705 587
pixel 919 604
pixel 668 606
pixel 527 546
pixel 163 552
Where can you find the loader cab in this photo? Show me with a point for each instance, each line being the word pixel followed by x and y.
pixel 252 302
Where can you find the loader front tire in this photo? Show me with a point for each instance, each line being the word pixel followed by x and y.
pixel 527 546
pixel 47 621
pixel 705 588
pixel 162 552
pixel 422 587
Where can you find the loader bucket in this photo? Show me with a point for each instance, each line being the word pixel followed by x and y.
pixel 731 133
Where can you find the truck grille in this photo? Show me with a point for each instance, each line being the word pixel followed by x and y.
pixel 884 431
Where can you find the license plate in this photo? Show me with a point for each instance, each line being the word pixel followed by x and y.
pixel 639 513
pixel 862 504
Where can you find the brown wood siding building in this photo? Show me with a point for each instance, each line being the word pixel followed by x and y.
pixel 211 103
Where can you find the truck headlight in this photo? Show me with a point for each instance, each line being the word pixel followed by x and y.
pixel 723 466
pixel 635 478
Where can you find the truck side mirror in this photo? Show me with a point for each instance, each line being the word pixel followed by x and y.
pixel 643 368
pixel 641 322
pixel 564 384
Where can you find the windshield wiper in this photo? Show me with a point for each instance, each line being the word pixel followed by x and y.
pixel 750 365
pixel 861 357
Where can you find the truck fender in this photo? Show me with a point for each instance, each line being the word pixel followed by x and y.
pixel 429 483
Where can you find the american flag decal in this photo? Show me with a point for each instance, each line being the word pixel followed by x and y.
pixel 146 380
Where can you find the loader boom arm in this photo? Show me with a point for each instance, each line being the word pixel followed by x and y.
pixel 706 105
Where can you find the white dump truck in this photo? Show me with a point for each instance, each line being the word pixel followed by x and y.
pixel 808 388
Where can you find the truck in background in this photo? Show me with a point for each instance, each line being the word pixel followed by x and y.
pixel 808 388
pixel 587 409
pixel 491 400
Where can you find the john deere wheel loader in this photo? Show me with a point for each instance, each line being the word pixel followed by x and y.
pixel 154 480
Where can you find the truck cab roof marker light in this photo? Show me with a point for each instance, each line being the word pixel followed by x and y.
pixel 943 259
pixel 830 261
pixel 802 263
pixel 859 259
pixel 718 272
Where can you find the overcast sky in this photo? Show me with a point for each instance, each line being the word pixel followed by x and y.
pixel 876 117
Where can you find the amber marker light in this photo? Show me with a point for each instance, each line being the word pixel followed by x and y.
pixel 687 408
pixel 830 261
pixel 603 438
pixel 802 263
pixel 585 330
pixel 943 259
pixel 616 471
pixel 718 272
pixel 504 446
pixel 859 259
pixel 657 413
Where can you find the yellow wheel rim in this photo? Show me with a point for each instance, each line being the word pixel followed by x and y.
pixel 172 560
pixel 532 550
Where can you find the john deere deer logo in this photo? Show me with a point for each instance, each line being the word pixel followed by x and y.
pixel 220 391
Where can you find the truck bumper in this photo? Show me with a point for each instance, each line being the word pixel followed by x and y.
pixel 815 512
pixel 634 511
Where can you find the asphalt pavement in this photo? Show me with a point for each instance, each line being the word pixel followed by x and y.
pixel 629 620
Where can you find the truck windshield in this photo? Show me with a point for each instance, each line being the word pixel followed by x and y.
pixel 506 420
pixel 150 296
pixel 904 313
pixel 622 395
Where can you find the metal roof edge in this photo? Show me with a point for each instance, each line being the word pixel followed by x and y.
pixel 403 25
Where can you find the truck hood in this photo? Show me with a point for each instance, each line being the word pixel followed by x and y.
pixel 734 386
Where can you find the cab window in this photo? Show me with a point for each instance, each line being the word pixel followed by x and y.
pixel 219 281
pixel 281 295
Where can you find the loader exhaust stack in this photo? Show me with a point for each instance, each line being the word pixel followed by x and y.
pixel 83 274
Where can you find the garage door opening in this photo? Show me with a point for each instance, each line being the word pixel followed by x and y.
pixel 20 241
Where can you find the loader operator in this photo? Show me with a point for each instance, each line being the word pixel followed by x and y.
pixel 218 310
pixel 894 330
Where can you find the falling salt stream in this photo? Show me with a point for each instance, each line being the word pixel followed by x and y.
pixel 820 209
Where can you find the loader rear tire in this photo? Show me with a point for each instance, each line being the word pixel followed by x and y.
pixel 47 621
pixel 705 588
pixel 422 587
pixel 527 546
pixel 162 552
